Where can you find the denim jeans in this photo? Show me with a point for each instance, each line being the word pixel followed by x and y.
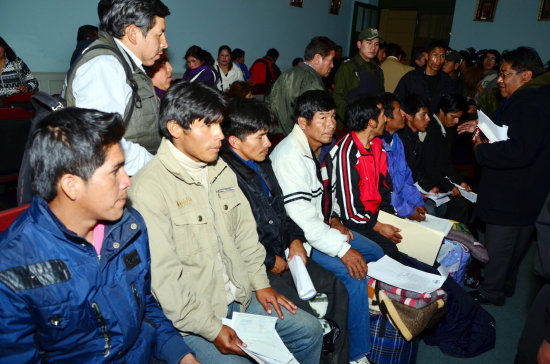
pixel 301 333
pixel 358 310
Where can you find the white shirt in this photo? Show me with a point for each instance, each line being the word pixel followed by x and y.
pixel 101 84
pixel 234 74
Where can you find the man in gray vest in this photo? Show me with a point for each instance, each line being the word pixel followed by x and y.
pixel 136 29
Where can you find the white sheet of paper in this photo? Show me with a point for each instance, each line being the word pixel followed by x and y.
pixel 392 272
pixel 492 131
pixel 436 223
pixel 468 195
pixel 263 343
pixel 300 276
pixel 438 198
pixel 418 241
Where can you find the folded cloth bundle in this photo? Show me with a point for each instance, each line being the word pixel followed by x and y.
pixel 477 250
pixel 408 298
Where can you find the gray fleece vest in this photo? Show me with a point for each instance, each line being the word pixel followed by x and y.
pixel 143 127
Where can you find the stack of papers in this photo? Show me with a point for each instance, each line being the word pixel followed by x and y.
pixel 301 278
pixel 396 274
pixel 263 344
pixel 492 131
pixel 419 241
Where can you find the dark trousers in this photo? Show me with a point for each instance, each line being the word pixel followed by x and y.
pixel 337 310
pixel 506 246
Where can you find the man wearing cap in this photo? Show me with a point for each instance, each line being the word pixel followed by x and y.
pixel 452 66
pixel 359 75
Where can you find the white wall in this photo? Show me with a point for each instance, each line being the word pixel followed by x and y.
pixel 515 24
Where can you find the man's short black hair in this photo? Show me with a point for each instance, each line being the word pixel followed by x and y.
pixel 185 102
pixel 417 53
pixel 387 101
pixel 524 59
pixel 319 45
pixel 243 117
pixel 413 103
pixel 452 103
pixel 360 111
pixel 393 49
pixel 436 44
pixel 272 53
pixel 121 13
pixel 72 141
pixel 237 53
pixel 86 32
pixel 310 102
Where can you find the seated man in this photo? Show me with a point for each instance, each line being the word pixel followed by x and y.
pixel 436 157
pixel 361 171
pixel 206 259
pixel 405 197
pixel 245 126
pixel 74 269
pixel 304 175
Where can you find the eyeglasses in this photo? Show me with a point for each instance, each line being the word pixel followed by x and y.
pixel 491 58
pixel 503 75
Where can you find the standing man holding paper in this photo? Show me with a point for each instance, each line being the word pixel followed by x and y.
pixel 515 175
pixel 246 124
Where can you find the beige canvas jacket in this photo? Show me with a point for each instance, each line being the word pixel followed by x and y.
pixel 186 231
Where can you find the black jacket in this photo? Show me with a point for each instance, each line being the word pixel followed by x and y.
pixel 413 152
pixel 275 229
pixel 515 176
pixel 436 158
pixel 414 82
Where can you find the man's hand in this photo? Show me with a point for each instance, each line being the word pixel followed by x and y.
pixel 466 186
pixel 389 231
pixel 354 261
pixel 467 127
pixel 543 356
pixel 189 359
pixel 227 342
pixel 280 265
pixel 434 190
pixel 335 223
pixel 419 214
pixel 22 88
pixel 297 249
pixel 269 295
pixel 455 192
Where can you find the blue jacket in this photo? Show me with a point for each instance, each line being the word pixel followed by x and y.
pixel 60 302
pixel 405 196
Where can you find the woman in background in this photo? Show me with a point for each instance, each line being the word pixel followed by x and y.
pixel 228 71
pixel 161 74
pixel 15 76
pixel 199 66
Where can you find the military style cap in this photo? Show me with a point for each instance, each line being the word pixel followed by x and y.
pixel 368 34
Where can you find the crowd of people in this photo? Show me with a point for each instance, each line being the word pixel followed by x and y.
pixel 162 207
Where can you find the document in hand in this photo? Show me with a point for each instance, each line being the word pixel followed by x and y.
pixel 263 343
pixel 436 223
pixel 418 241
pixel 438 198
pixel 492 131
pixel 301 278
pixel 392 272
pixel 468 195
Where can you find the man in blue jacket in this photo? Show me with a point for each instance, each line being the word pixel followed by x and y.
pixel 405 197
pixel 75 266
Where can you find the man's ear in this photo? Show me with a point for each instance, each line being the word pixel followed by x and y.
pixel 527 75
pixel 175 129
pixel 70 185
pixel 358 44
pixel 302 122
pixel 131 33
pixel 234 142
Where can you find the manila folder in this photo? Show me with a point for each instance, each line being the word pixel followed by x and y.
pixel 418 241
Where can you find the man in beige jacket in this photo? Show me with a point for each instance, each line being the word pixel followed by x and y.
pixel 206 259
